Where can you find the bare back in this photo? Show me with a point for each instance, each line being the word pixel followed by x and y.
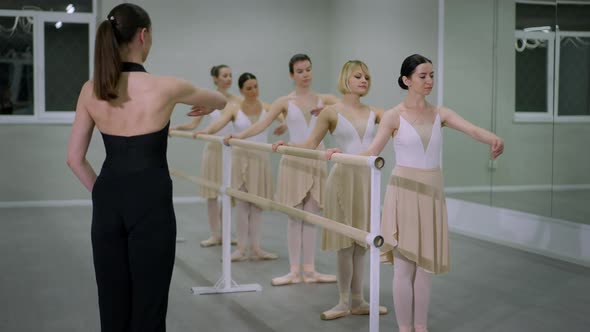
pixel 143 106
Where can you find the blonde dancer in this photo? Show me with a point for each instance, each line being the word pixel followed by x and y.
pixel 414 209
pixel 353 126
pixel 250 169
pixel 211 159
pixel 301 181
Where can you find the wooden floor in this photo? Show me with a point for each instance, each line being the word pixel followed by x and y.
pixel 47 283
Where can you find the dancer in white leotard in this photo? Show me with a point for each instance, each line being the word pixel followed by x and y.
pixel 414 210
pixel 250 169
pixel 352 125
pixel 211 159
pixel 301 181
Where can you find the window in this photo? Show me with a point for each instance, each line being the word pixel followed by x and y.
pixel 534 72
pixel 46 52
pixel 574 74
pixel 16 66
pixel 552 59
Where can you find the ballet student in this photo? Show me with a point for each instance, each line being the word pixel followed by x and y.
pixel 251 170
pixel 211 158
pixel 301 181
pixel 353 126
pixel 414 209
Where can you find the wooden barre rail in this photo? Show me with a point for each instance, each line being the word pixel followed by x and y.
pixel 196 179
pixel 342 158
pixel 203 137
pixel 267 204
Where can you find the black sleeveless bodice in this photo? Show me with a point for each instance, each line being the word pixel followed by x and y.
pixel 133 231
pixel 130 154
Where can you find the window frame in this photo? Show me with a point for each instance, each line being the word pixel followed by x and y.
pixel 40 113
pixel 553 62
pixel 547 115
pixel 565 118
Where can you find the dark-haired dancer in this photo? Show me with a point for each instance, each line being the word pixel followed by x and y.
pixel 250 169
pixel 414 209
pixel 133 223
pixel 301 181
pixel 211 159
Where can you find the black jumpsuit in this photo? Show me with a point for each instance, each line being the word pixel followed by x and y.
pixel 133 233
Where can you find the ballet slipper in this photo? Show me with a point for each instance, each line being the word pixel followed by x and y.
pixel 363 309
pixel 420 328
pixel 259 254
pixel 316 277
pixel 238 256
pixel 340 310
pixel 210 242
pixel 288 279
pixel 405 329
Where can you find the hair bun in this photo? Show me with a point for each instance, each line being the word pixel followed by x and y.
pixel 401 83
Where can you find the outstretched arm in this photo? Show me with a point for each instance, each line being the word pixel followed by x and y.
pixel 191 125
pixel 329 99
pixel 226 117
pixel 326 121
pixel 388 124
pixel 184 92
pixel 80 139
pixel 258 126
pixel 453 120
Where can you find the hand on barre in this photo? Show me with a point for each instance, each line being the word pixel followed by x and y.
pixel 330 152
pixel 276 145
pixel 228 137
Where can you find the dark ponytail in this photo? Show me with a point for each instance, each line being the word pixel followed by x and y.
pixel 107 62
pixel 117 30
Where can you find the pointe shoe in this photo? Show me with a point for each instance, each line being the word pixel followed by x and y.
pixel 420 328
pixel 238 256
pixel 260 254
pixel 405 329
pixel 316 277
pixel 363 309
pixel 288 279
pixel 334 314
pixel 210 242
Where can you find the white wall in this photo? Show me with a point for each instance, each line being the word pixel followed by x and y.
pixel 382 33
pixel 250 35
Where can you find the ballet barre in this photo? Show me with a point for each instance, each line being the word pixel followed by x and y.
pixel 372 238
pixel 267 204
pixel 348 159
